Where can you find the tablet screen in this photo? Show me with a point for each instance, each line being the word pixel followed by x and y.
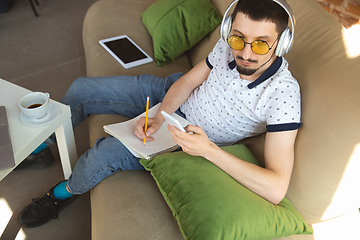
pixel 125 50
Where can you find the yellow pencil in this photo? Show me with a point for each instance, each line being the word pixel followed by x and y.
pixel 146 117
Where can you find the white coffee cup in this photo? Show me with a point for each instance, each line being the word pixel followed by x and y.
pixel 35 104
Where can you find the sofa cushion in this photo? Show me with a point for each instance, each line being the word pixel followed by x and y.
pixel 128 206
pixel 96 26
pixel 177 25
pixel 209 204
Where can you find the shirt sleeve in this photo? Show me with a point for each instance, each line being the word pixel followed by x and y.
pixel 208 63
pixel 215 52
pixel 283 110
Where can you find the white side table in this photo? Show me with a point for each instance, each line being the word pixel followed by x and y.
pixel 26 139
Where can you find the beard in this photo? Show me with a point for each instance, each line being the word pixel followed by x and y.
pixel 246 70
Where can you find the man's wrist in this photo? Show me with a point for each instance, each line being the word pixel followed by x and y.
pixel 212 152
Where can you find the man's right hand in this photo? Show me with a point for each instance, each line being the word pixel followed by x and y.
pixel 153 126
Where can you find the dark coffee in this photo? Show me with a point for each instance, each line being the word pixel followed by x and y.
pixel 34 106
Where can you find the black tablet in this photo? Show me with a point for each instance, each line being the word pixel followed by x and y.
pixel 125 51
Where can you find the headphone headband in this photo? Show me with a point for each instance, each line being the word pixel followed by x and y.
pixel 287 36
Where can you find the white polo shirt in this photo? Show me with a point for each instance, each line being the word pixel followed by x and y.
pixel 229 108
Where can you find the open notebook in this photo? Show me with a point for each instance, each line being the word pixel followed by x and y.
pixel 6 152
pixel 162 143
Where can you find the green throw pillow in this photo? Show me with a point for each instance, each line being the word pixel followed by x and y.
pixel 209 204
pixel 177 25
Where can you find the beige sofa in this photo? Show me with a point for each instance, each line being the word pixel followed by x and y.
pixel 325 183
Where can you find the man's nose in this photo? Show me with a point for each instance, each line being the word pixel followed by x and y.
pixel 247 53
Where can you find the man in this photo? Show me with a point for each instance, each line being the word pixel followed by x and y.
pixel 240 90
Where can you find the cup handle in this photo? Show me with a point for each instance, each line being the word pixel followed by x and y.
pixel 47 95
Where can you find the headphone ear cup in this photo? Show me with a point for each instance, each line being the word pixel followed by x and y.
pixel 284 43
pixel 226 28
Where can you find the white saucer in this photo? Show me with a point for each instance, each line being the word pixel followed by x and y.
pixel 48 118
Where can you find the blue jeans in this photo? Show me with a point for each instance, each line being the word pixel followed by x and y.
pixel 123 95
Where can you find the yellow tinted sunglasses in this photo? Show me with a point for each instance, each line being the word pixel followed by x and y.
pixel 258 46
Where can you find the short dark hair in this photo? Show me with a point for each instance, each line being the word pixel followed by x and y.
pixel 259 10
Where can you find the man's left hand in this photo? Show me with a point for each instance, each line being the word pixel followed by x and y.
pixel 196 144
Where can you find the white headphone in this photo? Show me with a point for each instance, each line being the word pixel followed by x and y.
pixel 287 36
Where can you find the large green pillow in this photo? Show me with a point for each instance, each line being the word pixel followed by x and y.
pixel 209 204
pixel 177 25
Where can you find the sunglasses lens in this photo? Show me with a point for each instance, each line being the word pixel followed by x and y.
pixel 236 43
pixel 260 47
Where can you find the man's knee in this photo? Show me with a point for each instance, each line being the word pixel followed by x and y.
pixel 78 84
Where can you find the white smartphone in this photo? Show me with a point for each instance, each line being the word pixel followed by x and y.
pixel 172 121
pixel 125 51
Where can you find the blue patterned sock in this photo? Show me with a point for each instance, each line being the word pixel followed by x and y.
pixel 60 191
pixel 40 148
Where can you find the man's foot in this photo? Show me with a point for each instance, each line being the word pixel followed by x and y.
pixel 37 161
pixel 42 210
